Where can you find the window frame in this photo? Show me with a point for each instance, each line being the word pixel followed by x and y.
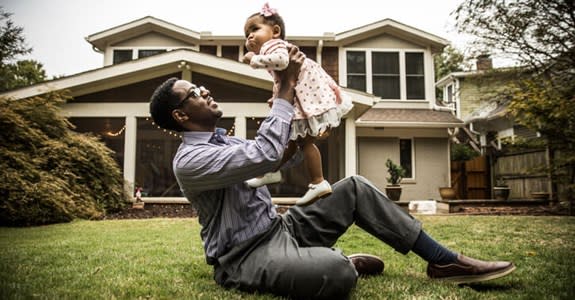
pixel 402 70
pixel 411 157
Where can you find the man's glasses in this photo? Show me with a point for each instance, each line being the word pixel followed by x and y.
pixel 194 92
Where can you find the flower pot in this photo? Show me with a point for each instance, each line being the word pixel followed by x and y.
pixel 138 205
pixel 447 193
pixel 393 192
pixel 501 192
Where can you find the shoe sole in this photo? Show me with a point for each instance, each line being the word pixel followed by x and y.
pixel 478 278
pixel 314 200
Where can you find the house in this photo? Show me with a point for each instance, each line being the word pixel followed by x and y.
pixel 475 97
pixel 386 66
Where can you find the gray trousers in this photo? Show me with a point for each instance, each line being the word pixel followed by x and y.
pixel 295 259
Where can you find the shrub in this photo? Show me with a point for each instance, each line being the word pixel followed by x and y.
pixel 51 174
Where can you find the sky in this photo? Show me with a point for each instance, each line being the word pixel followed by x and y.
pixel 56 29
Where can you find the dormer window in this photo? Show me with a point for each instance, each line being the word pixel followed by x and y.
pixel 149 52
pixel 121 56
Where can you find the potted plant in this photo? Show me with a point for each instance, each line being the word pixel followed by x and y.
pixel 501 190
pixel 396 173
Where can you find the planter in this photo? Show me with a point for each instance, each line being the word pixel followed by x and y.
pixel 447 193
pixel 393 192
pixel 138 205
pixel 501 192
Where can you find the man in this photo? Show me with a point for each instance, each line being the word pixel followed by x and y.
pixel 251 247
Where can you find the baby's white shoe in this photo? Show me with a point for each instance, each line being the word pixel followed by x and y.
pixel 268 178
pixel 314 193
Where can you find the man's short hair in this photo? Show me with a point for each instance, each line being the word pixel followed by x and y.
pixel 162 103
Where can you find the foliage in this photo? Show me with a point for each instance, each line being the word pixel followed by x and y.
pixel 396 172
pixel 449 61
pixel 462 152
pixel 540 35
pixel 51 174
pixel 12 44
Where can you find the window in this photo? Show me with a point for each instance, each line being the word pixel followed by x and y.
pixel 121 56
pixel 394 75
pixel 231 52
pixel 356 70
pixel 385 74
pixel 150 52
pixel 414 76
pixel 109 130
pixel 155 149
pixel 449 94
pixel 405 156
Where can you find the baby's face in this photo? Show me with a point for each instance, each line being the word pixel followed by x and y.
pixel 257 33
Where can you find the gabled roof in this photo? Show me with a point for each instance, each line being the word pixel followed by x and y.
pixel 138 27
pixel 394 28
pixel 162 64
pixel 147 68
pixel 408 118
pixel 387 26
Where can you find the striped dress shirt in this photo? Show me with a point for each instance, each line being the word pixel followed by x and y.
pixel 211 171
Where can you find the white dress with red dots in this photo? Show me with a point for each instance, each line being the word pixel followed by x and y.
pixel 319 102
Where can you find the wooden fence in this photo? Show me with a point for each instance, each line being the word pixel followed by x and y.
pixel 524 173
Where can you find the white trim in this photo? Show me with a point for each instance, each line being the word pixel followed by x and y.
pixel 350 147
pixel 130 141
pixel 408 124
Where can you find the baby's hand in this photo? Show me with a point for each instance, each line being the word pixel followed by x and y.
pixel 248 57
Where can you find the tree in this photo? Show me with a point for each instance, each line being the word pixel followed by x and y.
pixel 540 36
pixel 449 61
pixel 15 74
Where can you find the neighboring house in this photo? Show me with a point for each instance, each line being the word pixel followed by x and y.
pixel 474 96
pixel 386 66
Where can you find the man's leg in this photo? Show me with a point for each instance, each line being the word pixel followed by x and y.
pixel 276 264
pixel 355 199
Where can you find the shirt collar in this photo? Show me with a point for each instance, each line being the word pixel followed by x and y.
pixel 198 137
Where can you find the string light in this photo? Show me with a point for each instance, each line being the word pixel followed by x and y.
pixel 119 132
pixel 174 134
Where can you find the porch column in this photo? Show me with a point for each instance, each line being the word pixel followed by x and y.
pixel 350 147
pixel 130 140
pixel 240 127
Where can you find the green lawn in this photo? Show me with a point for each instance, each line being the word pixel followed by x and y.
pixel 163 259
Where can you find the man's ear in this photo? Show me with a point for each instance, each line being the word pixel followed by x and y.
pixel 277 31
pixel 179 115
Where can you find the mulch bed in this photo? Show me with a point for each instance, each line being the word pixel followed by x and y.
pixel 186 211
pixel 155 211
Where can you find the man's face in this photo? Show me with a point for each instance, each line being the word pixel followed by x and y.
pixel 197 103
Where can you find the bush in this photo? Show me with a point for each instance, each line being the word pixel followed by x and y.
pixel 51 174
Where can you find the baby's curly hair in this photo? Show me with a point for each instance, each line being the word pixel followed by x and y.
pixel 162 103
pixel 274 19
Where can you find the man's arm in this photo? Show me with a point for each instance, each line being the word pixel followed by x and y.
pixel 210 166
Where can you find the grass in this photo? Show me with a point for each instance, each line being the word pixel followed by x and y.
pixel 163 259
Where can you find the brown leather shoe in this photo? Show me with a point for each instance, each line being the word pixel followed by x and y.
pixel 366 264
pixel 468 270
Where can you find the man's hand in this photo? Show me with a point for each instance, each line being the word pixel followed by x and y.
pixel 288 77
